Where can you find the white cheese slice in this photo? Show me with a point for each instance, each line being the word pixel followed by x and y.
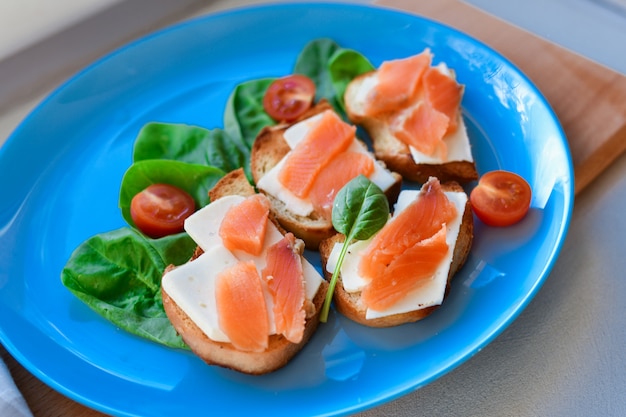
pixel 203 226
pixel 192 285
pixel 427 296
pixel 303 207
pixel 458 148
pixel 271 185
pixel 295 133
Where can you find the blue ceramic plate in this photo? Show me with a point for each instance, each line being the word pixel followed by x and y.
pixel 61 170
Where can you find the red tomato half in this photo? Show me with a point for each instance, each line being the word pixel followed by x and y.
pixel 161 209
pixel 289 97
pixel 501 198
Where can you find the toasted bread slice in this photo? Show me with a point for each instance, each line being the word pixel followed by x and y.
pixel 350 305
pixel 395 153
pixel 267 151
pixel 280 350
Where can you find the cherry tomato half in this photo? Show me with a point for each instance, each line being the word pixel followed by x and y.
pixel 161 209
pixel 289 97
pixel 501 198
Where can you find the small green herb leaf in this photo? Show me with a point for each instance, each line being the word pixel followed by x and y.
pixel 244 116
pixel 313 62
pixel 191 144
pixel 360 210
pixel 343 66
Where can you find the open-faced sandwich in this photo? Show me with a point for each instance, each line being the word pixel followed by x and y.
pixel 247 300
pixel 403 272
pixel 412 112
pixel 301 166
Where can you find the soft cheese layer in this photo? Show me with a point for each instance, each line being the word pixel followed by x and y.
pixel 192 285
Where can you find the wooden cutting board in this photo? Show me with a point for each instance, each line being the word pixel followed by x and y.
pixel 589 99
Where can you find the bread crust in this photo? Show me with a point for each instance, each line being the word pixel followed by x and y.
pixel 395 153
pixel 350 305
pixel 280 350
pixel 267 151
pixel 278 354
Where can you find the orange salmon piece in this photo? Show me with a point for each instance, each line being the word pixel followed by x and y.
pixel 245 224
pixel 408 272
pixel 418 221
pixel 444 94
pixel 285 279
pixel 398 83
pixel 326 139
pixel 241 307
pixel 343 168
pixel 424 129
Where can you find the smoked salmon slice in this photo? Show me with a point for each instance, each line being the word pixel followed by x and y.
pixel 284 276
pixel 326 139
pixel 245 224
pixel 398 83
pixel 241 307
pixel 444 94
pixel 421 103
pixel 409 271
pixel 423 128
pixel 343 168
pixel 418 221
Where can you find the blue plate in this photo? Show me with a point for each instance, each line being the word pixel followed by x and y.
pixel 61 170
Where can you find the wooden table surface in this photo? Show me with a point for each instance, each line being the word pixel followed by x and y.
pixel 587 98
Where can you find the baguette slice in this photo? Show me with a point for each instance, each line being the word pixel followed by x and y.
pixel 350 305
pixel 395 153
pixel 280 350
pixel 267 151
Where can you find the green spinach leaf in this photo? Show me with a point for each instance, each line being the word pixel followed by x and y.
pixel 332 68
pixel 174 249
pixel 313 62
pixel 360 210
pixel 343 66
pixel 192 144
pixel 118 274
pixel 196 179
pixel 244 116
